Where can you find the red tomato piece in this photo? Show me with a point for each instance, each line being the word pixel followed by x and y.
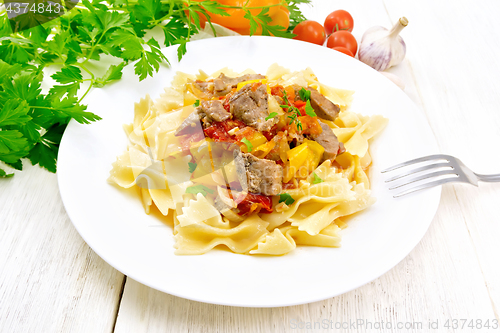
pixel 218 133
pixel 310 125
pixel 255 203
pixel 229 124
pixel 277 91
pixel 301 105
pixel 186 140
pixel 271 133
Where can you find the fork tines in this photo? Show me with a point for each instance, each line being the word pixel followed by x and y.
pixel 438 169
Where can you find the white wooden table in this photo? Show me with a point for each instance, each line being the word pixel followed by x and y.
pixel 51 281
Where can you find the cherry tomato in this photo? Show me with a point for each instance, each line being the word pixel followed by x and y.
pixel 338 20
pixel 343 50
pixel 310 31
pixel 343 39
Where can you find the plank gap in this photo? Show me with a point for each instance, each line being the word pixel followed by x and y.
pixel 387 12
pixel 477 257
pixel 119 302
pixel 422 100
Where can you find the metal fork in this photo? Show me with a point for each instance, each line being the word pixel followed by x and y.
pixel 452 170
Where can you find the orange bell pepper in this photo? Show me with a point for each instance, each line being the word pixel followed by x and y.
pixel 236 21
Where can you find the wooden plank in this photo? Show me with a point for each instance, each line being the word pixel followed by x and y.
pixel 51 281
pixel 442 277
pixel 456 68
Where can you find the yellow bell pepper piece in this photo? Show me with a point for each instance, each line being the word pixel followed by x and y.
pixel 284 148
pixel 264 149
pixel 256 139
pixel 317 149
pixel 304 158
pixel 244 83
pixel 288 173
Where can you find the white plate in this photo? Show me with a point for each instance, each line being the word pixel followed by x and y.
pixel 114 225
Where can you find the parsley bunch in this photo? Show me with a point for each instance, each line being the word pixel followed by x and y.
pixel 32 122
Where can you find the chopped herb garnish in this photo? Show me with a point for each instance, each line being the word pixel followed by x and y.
pixel 286 198
pixel 316 179
pixel 294 113
pixel 309 109
pixel 192 166
pixel 304 94
pixel 199 189
pixel 197 102
pixel 248 144
pixel 271 115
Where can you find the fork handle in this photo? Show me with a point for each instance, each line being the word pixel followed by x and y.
pixel 489 178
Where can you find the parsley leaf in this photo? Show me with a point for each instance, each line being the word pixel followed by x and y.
pixel 147 10
pixel 316 179
pixel 14 112
pixel 214 8
pixel 113 73
pixel 296 15
pixel 150 60
pixel 17 165
pixel 286 198
pixel 182 48
pixel 271 115
pixel 197 103
pixel 25 86
pixel 13 157
pixel 199 189
pixel 253 22
pixel 3 174
pixel 263 20
pixel 69 107
pixel 248 144
pixel 11 141
pixel 45 155
pixel 68 74
pixel 277 31
pixel 304 94
pixel 103 19
pixel 174 31
pixel 16 50
pixel 58 44
pixel 192 167
pixel 309 109
pixel 69 89
pixel 8 70
pixel 45 151
pixel 4 24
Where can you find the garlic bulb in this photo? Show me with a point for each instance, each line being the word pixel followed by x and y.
pixel 381 48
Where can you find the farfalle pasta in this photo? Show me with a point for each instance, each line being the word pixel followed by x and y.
pixel 255 163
